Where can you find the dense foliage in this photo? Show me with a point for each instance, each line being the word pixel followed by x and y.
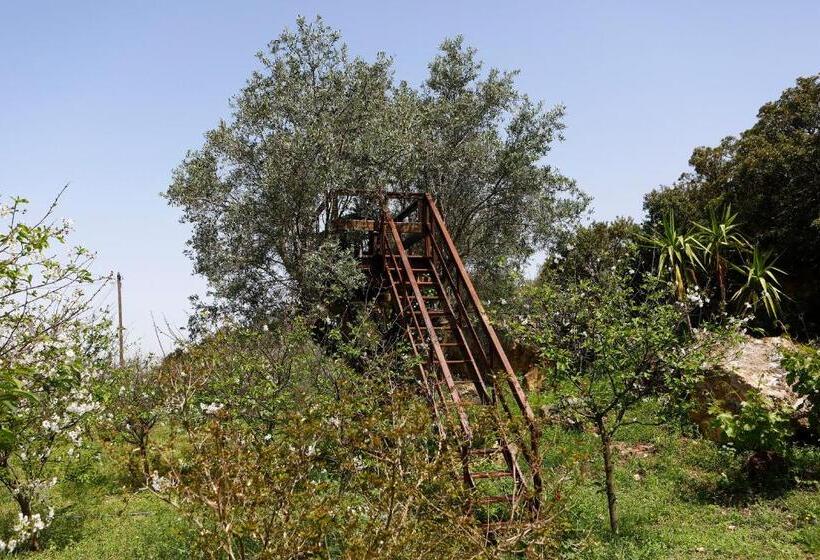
pixel 609 337
pixel 312 121
pixel 770 175
pixel 292 453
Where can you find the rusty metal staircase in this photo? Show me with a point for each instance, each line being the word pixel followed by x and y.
pixel 477 400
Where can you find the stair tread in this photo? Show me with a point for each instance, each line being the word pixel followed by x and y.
pixel 427 269
pixel 487 500
pixel 484 451
pixel 491 474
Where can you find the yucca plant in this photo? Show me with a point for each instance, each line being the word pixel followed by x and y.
pixel 762 282
pixel 678 256
pixel 716 240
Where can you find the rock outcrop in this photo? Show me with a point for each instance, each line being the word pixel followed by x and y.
pixel 739 368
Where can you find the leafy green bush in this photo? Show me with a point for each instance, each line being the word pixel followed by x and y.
pixel 803 367
pixel 756 426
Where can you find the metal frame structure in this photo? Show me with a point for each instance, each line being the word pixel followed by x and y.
pixel 476 397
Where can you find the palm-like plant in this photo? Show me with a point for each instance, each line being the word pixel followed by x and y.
pixel 716 239
pixel 762 282
pixel 678 254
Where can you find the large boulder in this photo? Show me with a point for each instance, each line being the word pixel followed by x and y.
pixel 743 366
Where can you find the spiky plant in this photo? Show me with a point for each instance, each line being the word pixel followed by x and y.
pixel 716 239
pixel 678 256
pixel 762 282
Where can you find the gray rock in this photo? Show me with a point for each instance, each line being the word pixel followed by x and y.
pixel 739 368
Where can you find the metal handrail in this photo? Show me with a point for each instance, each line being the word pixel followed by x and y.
pixel 466 308
pixel 494 348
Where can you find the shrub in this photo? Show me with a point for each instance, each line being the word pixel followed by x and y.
pixel 760 431
pixel 133 403
pixel 756 426
pixel 285 451
pixel 803 367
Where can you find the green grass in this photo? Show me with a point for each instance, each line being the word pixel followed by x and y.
pixel 100 517
pixel 684 500
pixel 116 527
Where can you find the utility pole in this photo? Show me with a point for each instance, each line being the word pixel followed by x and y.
pixel 119 317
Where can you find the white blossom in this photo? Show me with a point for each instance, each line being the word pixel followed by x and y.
pixel 212 408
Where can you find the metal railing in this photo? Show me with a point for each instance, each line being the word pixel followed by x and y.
pixel 495 379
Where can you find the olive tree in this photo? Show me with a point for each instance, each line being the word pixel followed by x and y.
pixel 312 121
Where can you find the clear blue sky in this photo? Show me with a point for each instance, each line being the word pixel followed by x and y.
pixel 109 96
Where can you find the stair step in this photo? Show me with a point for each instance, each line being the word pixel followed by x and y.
pixel 491 474
pixel 432 312
pixel 415 268
pixel 487 500
pixel 497 526
pixel 484 451
pixel 454 362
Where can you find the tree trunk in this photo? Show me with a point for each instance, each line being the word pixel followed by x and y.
pixel 606 449
pixel 25 509
pixel 146 467
pixel 721 274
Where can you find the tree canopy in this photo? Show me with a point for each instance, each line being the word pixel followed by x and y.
pixel 312 121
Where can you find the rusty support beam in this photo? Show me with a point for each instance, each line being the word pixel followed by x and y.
pixel 431 330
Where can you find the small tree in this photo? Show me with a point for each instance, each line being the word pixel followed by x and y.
pixel 609 345
pixel 52 343
pixel 133 402
pixel 677 255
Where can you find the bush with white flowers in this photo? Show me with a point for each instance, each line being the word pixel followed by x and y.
pixel 52 348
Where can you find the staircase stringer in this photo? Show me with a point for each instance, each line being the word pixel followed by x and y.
pixel 531 451
pixel 431 331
